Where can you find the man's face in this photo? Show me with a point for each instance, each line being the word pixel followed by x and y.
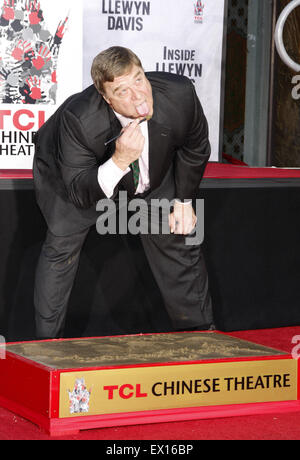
pixel 131 94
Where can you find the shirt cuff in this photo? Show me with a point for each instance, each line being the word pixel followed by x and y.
pixel 183 202
pixel 109 175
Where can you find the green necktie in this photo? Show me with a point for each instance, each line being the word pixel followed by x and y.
pixel 136 172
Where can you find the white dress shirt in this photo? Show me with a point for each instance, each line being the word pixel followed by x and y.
pixel 109 174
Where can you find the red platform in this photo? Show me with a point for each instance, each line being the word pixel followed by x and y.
pixel 214 170
pixel 144 379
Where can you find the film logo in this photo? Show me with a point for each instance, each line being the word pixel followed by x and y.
pixel 198 12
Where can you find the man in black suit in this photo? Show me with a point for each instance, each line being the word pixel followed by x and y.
pixel 164 144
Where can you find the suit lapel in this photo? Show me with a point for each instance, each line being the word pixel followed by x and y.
pixel 127 181
pixel 159 142
pixel 107 127
pixel 115 125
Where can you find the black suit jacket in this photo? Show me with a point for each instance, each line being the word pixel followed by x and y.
pixel 70 148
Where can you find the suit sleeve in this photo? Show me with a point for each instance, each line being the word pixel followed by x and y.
pixel 193 155
pixel 77 164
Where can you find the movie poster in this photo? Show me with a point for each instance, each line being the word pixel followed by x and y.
pixel 40 66
pixel 179 36
pixel 47 48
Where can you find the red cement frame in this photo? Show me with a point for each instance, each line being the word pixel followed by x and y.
pixel 31 390
pixel 213 170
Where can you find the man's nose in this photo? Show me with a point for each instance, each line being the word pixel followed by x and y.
pixel 135 94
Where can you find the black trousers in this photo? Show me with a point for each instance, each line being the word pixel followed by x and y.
pixel 179 270
pixel 54 279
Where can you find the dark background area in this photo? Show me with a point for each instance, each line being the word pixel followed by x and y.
pixel 252 250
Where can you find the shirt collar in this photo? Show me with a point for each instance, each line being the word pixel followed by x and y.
pixel 123 120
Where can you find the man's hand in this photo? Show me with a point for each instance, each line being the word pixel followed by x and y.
pixel 183 218
pixel 129 146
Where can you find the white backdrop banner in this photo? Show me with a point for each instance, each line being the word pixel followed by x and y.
pixel 47 49
pixel 178 36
